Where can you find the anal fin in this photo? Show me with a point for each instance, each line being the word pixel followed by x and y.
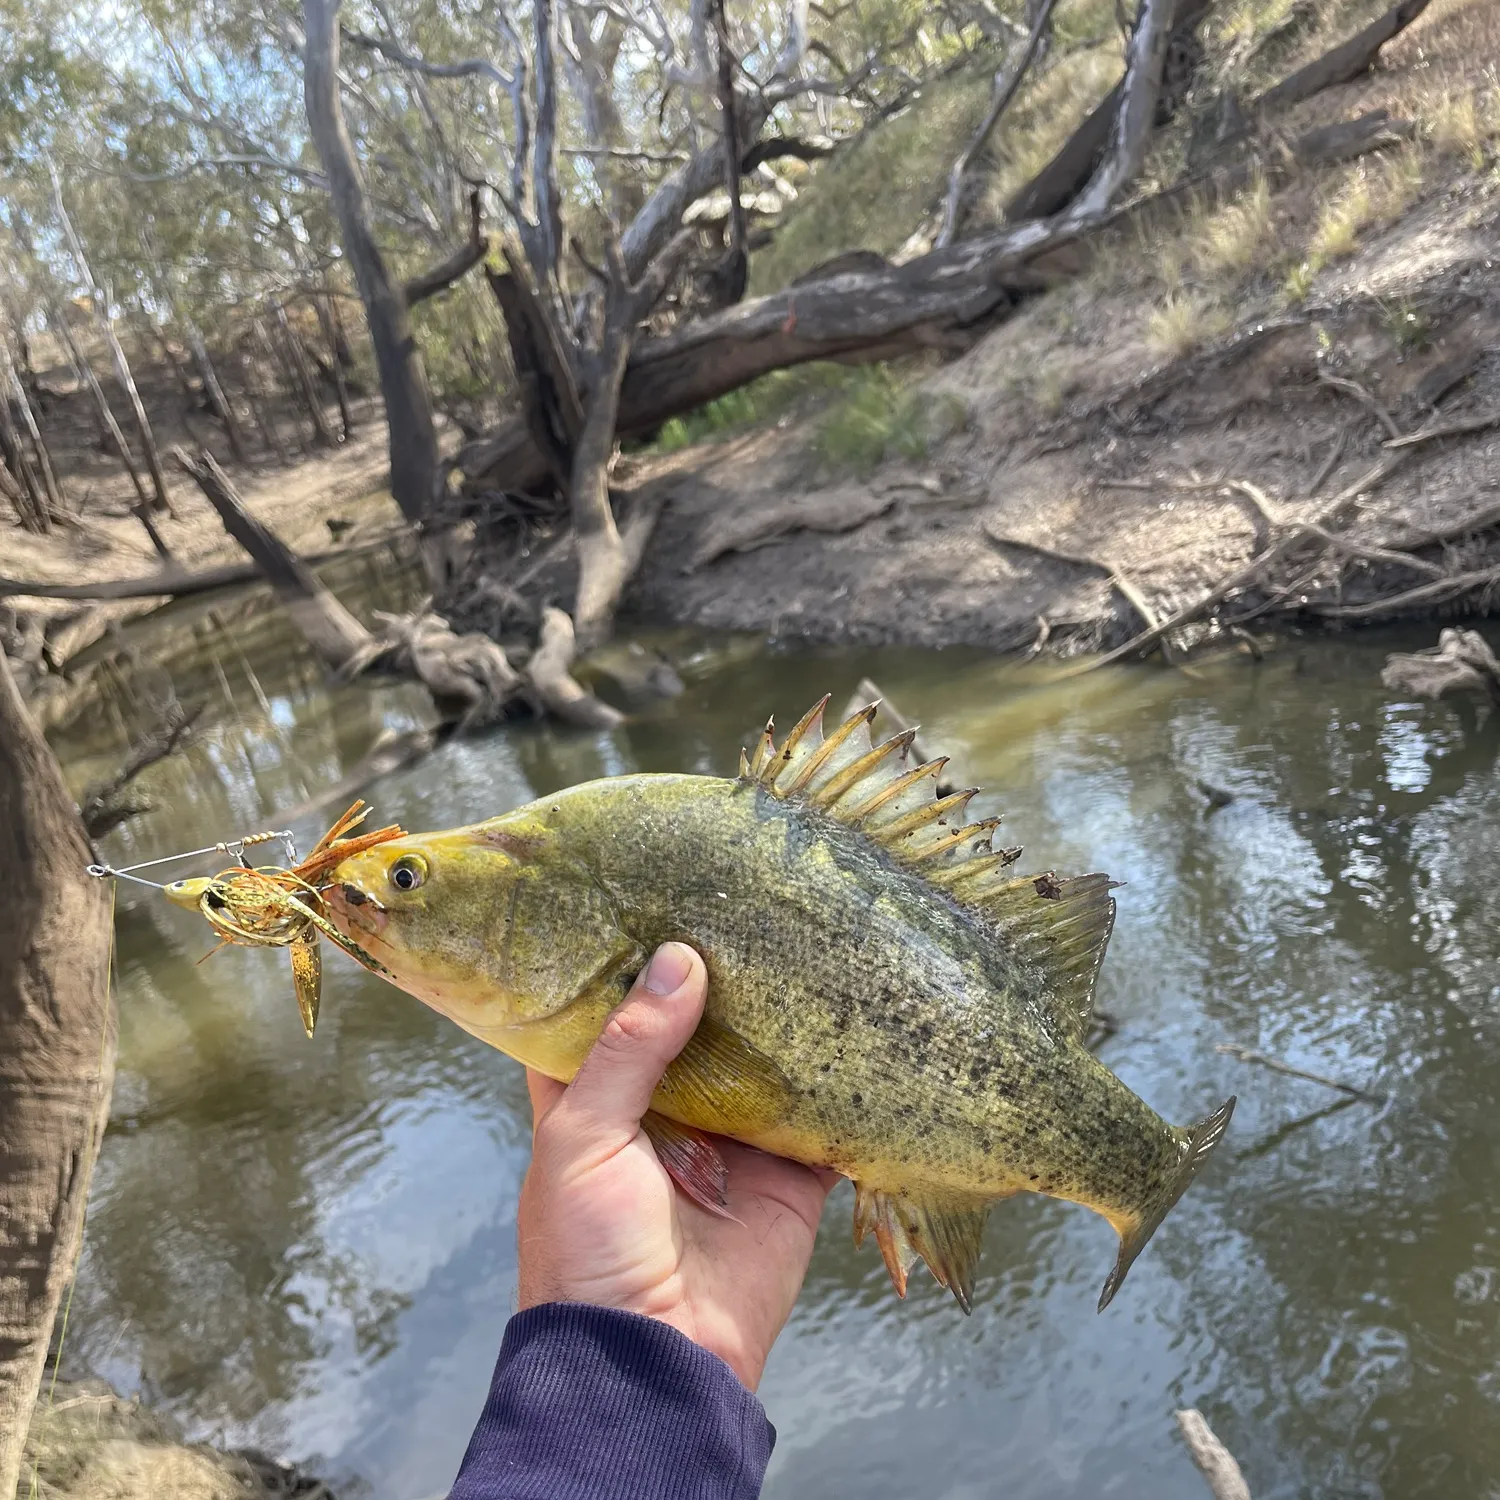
pixel 691 1160
pixel 945 1230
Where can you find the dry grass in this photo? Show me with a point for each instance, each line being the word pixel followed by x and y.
pixel 90 1444
pixel 1233 239
pixel 1462 122
pixel 1183 321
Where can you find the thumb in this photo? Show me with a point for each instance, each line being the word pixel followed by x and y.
pixel 602 1107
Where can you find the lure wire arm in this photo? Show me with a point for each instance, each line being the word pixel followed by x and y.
pixel 234 848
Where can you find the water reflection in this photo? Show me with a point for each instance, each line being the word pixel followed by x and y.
pixel 309 1245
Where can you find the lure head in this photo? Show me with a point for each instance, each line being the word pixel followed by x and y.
pixel 496 925
pixel 188 894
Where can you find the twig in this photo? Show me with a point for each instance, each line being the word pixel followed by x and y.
pixel 1441 589
pixel 1330 461
pixel 1214 1460
pixel 1360 394
pixel 1481 423
pixel 1249 1055
pixel 1333 514
pixel 1053 554
pixel 1139 603
pixel 1480 520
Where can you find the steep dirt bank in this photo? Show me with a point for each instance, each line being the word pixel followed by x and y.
pixel 1134 438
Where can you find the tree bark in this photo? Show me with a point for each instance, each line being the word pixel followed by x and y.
pixel 1135 119
pixel 403 380
pixel 215 392
pixel 326 625
pixel 1347 61
pixel 116 353
pixel 324 307
pixel 57 1048
pixel 53 509
pixel 297 362
pixel 1005 91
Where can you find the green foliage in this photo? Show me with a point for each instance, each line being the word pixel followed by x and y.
pixel 753 405
pixel 879 417
pixel 875 191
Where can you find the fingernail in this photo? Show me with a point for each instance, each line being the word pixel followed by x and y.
pixel 668 970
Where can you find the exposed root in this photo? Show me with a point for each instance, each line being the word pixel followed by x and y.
pixel 469 676
pixel 1461 662
pixel 557 691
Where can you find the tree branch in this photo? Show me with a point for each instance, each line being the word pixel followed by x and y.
pixel 452 267
pixel 1005 91
pixel 393 51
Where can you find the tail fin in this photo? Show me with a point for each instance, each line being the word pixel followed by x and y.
pixel 1202 1140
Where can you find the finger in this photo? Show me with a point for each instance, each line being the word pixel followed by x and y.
pixel 544 1091
pixel 603 1105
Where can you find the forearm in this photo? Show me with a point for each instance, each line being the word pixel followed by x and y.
pixel 588 1403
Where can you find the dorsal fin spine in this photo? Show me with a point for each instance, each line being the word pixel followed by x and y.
pixel 1058 925
pixel 931 812
pixel 973 831
pixel 862 810
pixel 820 757
pixel 856 771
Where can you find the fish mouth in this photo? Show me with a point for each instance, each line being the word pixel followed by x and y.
pixel 356 913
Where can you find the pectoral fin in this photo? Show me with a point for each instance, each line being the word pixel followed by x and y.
pixel 691 1160
pixel 721 1083
pixel 945 1230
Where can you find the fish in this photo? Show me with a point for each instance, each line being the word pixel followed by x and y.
pixel 886 996
pixel 273 906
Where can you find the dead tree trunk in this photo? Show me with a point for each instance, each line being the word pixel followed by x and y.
pixel 260 410
pixel 217 396
pixel 57 1048
pixel 116 353
pixel 1007 86
pixel 325 624
pixel 297 359
pixel 1135 118
pixel 403 380
pixel 53 508
pixel 324 306
pixel 31 508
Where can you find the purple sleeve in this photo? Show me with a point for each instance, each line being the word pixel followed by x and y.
pixel 588 1403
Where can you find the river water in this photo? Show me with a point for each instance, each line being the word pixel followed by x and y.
pixel 308 1245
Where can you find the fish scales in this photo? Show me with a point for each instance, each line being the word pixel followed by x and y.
pixel 885 998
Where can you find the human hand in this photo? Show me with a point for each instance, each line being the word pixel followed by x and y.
pixel 601 1222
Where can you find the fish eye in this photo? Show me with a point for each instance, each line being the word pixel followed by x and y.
pixel 408 872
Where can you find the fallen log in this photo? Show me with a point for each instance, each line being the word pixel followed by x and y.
pixel 936 300
pixel 1345 62
pixel 179 583
pixel 946 299
pixel 326 625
